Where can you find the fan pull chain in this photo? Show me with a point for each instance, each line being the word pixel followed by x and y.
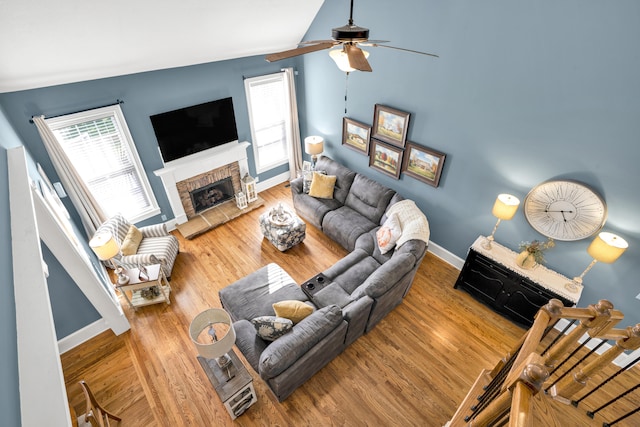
pixel 346 90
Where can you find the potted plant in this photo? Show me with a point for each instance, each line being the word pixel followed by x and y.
pixel 532 253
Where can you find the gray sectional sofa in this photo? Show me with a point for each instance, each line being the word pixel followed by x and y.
pixel 360 289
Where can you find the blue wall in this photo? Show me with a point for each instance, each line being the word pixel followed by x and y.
pixel 523 92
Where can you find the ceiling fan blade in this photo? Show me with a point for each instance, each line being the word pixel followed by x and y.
pixel 315 42
pixel 400 48
pixel 356 57
pixel 299 51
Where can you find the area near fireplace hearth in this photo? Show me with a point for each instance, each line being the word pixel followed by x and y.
pixel 201 187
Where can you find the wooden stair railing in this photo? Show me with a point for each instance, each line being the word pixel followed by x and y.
pixel 503 395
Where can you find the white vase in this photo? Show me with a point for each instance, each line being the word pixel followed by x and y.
pixel 525 260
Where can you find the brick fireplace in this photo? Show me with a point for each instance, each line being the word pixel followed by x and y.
pixel 181 176
pixel 209 189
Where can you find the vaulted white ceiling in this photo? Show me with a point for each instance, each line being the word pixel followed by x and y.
pixel 54 42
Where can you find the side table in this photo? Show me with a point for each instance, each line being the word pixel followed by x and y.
pixel 136 285
pixel 236 393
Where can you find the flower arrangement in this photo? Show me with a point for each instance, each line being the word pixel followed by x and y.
pixel 536 249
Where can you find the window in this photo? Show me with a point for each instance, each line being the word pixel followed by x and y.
pixel 269 101
pixel 100 147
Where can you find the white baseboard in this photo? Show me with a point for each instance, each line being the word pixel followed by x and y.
pixel 446 256
pixel 82 335
pixel 272 182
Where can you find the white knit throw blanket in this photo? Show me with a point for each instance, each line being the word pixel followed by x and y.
pixel 413 222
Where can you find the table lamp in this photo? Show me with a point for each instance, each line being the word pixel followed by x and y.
pixel 218 347
pixel 505 207
pixel 314 145
pixel 607 248
pixel 106 247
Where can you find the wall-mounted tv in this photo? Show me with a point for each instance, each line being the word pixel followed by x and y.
pixel 196 128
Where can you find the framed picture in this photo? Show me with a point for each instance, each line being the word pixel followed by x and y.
pixel 390 125
pixel 355 135
pixel 385 158
pixel 423 164
pixel 306 166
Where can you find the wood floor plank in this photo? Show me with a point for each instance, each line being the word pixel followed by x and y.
pixel 413 368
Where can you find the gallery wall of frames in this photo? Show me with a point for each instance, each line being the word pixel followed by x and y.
pixel 385 142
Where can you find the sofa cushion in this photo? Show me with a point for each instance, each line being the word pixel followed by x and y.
pixel 322 186
pixel 254 295
pixel 332 294
pixel 351 270
pixel 131 241
pixel 395 199
pixel 369 198
pixel 345 225
pixel 270 328
pixel 281 354
pixel 292 309
pixel 311 209
pixel 367 242
pixel 385 277
pixel 249 342
pixel 344 177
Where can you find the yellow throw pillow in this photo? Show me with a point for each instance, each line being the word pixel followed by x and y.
pixel 292 310
pixel 131 241
pixel 322 186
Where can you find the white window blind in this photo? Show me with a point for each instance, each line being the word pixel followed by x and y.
pixel 270 119
pixel 99 145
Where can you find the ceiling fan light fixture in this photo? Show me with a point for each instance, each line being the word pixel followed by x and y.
pixel 341 59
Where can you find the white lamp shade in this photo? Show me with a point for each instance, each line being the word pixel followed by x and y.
pixel 104 245
pixel 342 60
pixel 607 247
pixel 314 145
pixel 201 322
pixel 505 206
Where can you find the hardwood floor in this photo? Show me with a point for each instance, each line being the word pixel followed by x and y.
pixel 414 368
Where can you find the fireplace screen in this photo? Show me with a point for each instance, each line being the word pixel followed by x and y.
pixel 211 195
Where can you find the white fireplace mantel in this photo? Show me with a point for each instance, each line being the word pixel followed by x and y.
pixel 196 164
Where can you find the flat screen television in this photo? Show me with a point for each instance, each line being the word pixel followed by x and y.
pixel 196 128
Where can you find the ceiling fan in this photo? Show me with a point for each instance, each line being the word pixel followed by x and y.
pixel 350 57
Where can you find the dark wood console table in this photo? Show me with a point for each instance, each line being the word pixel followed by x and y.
pixel 492 277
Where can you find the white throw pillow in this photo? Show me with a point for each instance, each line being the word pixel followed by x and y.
pixel 388 234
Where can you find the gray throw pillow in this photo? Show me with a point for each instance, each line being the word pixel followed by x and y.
pixel 270 328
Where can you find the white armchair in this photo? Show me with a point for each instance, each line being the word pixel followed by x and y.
pixel 157 246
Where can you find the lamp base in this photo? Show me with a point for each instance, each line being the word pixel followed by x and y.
pixel 487 243
pixel 574 285
pixel 123 279
pixel 226 365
